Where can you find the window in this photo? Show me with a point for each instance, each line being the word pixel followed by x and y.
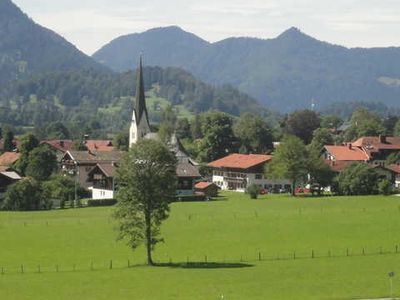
pixel 258 176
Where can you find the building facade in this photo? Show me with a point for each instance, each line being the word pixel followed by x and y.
pixel 236 172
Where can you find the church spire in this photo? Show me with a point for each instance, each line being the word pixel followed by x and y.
pixel 140 125
pixel 140 101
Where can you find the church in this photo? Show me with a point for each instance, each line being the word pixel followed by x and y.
pixel 187 169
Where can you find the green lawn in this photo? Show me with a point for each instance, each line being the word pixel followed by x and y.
pixel 230 234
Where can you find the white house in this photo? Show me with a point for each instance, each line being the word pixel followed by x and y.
pixel 236 172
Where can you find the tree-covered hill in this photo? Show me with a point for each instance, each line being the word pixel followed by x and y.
pixel 27 48
pixel 285 73
pixel 83 97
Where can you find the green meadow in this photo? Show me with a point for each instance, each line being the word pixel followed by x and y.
pixel 276 247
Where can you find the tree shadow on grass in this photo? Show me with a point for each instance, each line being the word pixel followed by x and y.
pixel 204 265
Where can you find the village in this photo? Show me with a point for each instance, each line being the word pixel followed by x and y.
pixel 94 169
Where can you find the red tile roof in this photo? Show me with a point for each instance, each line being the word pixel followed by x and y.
pixel 99 145
pixel 203 185
pixel 8 158
pixel 347 153
pixel 240 161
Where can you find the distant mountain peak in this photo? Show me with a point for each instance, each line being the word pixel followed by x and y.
pixel 293 32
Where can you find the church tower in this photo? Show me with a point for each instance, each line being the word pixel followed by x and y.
pixel 140 125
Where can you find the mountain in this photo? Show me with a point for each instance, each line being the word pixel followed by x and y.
pixel 288 72
pixel 27 48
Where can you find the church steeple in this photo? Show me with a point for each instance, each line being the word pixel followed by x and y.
pixel 140 125
pixel 140 101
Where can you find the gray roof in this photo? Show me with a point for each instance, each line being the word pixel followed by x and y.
pixel 187 170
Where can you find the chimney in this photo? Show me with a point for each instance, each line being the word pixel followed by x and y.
pixel 350 146
pixel 62 144
pixel 382 139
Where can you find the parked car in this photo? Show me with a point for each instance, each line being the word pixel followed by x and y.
pixel 263 191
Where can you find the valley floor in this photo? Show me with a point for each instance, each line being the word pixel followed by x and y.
pixel 276 247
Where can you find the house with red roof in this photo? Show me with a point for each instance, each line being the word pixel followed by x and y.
pixel 209 189
pixel 339 157
pixel 236 172
pixel 373 150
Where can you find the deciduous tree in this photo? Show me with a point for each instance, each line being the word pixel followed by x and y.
pixel 147 184
pixel 289 161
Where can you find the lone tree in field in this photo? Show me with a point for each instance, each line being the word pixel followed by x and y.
pixel 147 184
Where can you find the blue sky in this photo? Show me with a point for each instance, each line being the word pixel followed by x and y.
pixel 89 24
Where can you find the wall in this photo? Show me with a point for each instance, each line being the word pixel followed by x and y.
pixel 98 194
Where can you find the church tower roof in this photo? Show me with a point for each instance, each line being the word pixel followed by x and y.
pixel 140 101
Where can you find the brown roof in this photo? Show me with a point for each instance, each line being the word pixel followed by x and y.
pixel 377 143
pixel 347 153
pixel 60 145
pixel 95 157
pixel 203 185
pixel 187 170
pixel 99 145
pixel 9 158
pixel 240 161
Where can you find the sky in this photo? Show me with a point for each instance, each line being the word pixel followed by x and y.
pixel 90 24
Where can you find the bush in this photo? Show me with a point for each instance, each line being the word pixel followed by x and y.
pixel 253 190
pixel 102 202
pixel 358 179
pixel 26 195
pixel 384 187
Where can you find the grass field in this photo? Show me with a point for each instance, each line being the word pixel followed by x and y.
pixel 230 234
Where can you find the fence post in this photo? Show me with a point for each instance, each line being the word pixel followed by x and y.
pixel 347 252
pixel 312 253
pixel 2 270
pixel 259 256
pixel 129 264
pixel 111 264
pixel 22 269
pixel 91 266
pixel 205 258
pixel 294 254
pixel 38 268
pixel 363 251
pixel 329 253
pixel 397 248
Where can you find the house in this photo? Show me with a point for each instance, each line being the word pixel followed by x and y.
pixel 6 179
pixel 209 189
pixel 102 179
pixel 187 175
pixel 373 150
pixel 339 157
pixel 236 172
pixel 80 163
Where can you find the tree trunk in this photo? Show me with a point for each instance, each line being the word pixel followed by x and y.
pixel 148 237
pixel 294 188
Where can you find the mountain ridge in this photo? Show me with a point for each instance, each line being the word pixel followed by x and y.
pixel 285 72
